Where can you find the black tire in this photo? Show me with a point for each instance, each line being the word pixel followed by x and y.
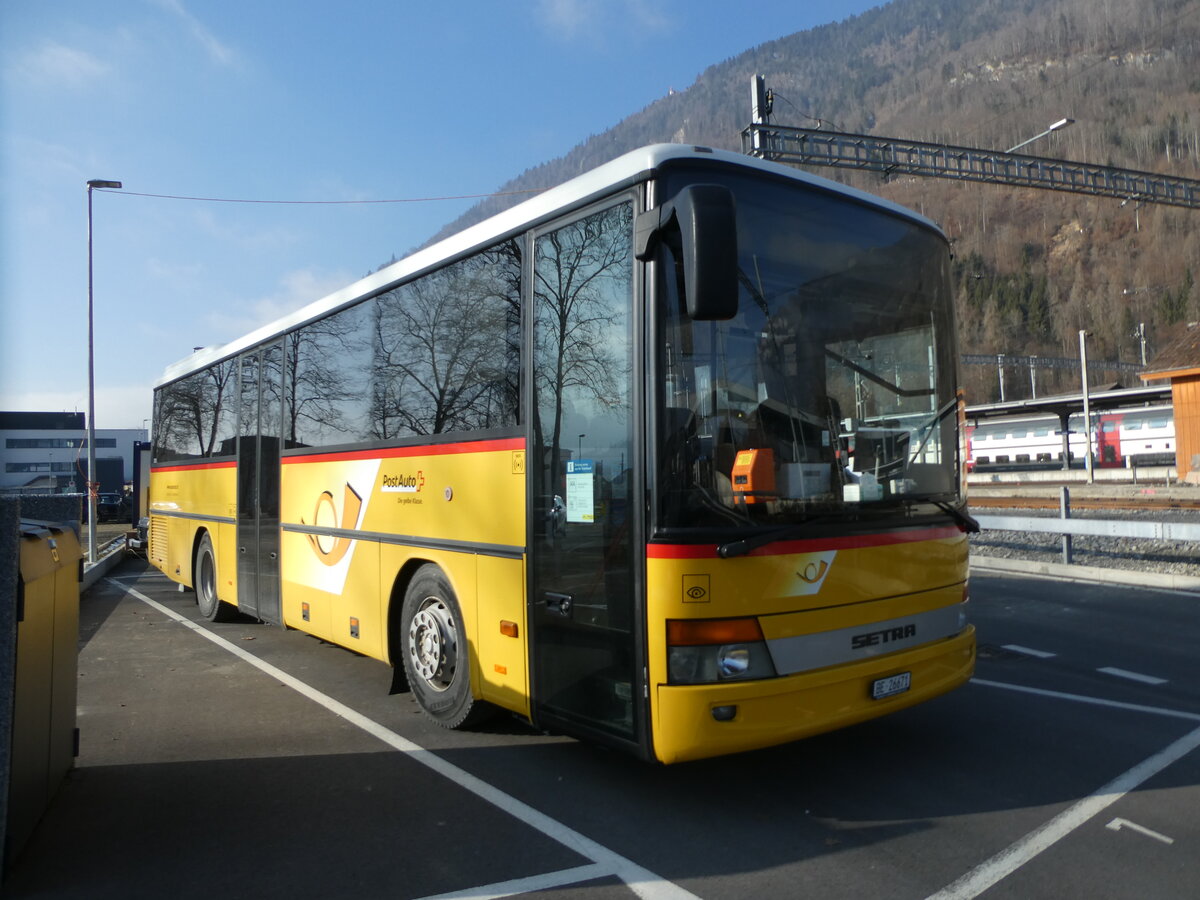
pixel 434 649
pixel 204 577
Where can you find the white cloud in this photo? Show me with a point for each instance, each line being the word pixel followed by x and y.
pixel 297 289
pixel 117 405
pixel 591 19
pixel 216 50
pixel 243 233
pixel 569 18
pixel 650 15
pixel 172 272
pixel 55 65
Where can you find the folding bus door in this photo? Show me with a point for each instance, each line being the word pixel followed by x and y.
pixel 582 565
pixel 259 422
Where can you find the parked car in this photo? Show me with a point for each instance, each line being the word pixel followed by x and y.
pixel 111 508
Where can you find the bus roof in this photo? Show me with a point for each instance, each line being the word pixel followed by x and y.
pixel 626 170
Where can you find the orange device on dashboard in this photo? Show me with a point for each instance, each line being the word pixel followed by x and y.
pixel 754 475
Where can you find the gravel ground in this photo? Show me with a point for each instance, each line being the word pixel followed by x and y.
pixel 105 532
pixel 1135 554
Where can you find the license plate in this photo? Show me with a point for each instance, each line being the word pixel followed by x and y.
pixel 887 687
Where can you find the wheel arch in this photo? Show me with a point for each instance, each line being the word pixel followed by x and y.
pixel 197 538
pixel 395 634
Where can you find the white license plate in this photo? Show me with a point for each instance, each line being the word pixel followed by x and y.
pixel 886 687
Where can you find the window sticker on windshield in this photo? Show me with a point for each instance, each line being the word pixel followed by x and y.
pixel 580 495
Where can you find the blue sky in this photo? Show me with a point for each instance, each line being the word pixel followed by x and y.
pixel 253 100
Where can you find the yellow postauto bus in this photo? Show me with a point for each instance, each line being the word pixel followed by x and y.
pixel 666 457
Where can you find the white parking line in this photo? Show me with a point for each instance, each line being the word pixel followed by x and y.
pixel 1029 651
pixel 1132 676
pixel 1094 701
pixel 1118 824
pixel 1007 861
pixel 526 885
pixel 641 881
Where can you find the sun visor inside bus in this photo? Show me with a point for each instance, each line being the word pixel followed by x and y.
pixel 700 224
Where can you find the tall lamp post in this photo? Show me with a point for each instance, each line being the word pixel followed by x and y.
pixel 1061 123
pixel 91 414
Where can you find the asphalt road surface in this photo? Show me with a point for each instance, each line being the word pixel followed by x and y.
pixel 247 761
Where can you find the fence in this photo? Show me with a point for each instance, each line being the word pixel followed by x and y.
pixel 1068 527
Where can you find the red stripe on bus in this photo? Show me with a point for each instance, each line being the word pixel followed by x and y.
pixel 227 464
pixel 401 452
pixel 811 545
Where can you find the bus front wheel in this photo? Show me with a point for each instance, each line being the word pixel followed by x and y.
pixel 436 658
pixel 205 580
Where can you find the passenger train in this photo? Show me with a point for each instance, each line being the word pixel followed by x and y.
pixel 1139 436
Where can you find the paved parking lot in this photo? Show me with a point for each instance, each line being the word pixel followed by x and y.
pixel 251 761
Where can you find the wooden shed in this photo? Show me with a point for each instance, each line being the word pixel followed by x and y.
pixel 1179 362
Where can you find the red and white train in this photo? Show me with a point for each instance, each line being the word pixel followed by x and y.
pixel 1141 436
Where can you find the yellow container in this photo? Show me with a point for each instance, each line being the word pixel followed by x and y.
pixel 44 685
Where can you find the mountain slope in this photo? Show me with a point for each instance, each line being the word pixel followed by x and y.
pixel 1033 267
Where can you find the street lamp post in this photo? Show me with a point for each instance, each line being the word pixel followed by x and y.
pixel 1061 123
pixel 1087 408
pixel 91 414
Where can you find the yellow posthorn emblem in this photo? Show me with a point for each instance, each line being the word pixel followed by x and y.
pixel 331 548
pixel 814 571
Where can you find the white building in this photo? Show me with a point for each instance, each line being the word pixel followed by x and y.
pixel 46 452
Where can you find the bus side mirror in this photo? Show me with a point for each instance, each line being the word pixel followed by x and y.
pixel 700 224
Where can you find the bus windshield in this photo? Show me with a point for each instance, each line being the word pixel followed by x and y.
pixel 831 393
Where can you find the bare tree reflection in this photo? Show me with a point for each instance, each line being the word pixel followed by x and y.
pixel 194 416
pixel 445 349
pixel 327 364
pixel 582 279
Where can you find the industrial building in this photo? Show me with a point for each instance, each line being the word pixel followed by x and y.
pixel 46 452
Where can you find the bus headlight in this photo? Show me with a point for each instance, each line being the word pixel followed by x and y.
pixel 733 660
pixel 706 651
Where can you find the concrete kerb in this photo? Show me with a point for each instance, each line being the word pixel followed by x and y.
pixel 1097 574
pixel 91 574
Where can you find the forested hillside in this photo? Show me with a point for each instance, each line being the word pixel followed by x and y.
pixel 1032 267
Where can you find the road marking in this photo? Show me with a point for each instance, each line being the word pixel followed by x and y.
pixel 1094 701
pixel 641 881
pixel 526 885
pixel 1132 676
pixel 1028 651
pixel 1007 861
pixel 1079 579
pixel 1118 824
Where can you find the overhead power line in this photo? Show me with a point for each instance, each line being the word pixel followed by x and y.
pixel 328 202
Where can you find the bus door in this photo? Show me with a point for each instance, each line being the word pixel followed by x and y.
pixel 585 622
pixel 259 422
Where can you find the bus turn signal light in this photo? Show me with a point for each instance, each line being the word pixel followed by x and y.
pixel 706 651
pixel 691 632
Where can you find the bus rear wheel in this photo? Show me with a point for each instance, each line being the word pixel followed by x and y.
pixel 434 649
pixel 205 579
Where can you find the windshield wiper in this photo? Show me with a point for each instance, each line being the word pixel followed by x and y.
pixel 742 546
pixel 713 503
pixel 877 379
pixel 950 406
pixel 966 521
